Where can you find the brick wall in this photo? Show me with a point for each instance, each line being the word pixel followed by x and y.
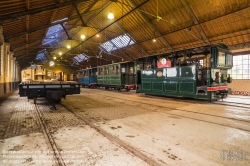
pixel 240 87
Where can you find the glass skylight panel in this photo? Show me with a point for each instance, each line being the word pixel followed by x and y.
pixel 108 46
pixel 117 43
pixel 53 32
pixel 40 55
pixel 81 57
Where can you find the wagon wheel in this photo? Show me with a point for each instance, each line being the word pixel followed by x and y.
pixel 119 89
pixel 127 89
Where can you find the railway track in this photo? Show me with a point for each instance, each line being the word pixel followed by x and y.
pixel 195 101
pixel 233 104
pixel 115 139
pixel 49 139
pixel 133 102
pixel 58 157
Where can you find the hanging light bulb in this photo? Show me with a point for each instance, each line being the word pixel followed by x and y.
pixel 110 15
pixel 82 36
pixel 97 35
pixel 154 40
pixel 60 53
pixel 69 43
pixel 54 57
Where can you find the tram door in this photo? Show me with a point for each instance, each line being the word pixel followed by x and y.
pixel 138 80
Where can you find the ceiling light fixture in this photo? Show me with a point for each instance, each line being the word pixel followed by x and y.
pixel 110 16
pixel 82 36
pixel 60 53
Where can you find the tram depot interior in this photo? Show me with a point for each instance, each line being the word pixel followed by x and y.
pixel 178 93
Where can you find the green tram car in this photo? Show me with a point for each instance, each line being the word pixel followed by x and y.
pixel 194 73
pixel 117 76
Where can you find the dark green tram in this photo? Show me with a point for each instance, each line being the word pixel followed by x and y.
pixel 117 75
pixel 194 73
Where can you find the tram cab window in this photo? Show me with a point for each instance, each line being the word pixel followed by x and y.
pixel 93 72
pixel 101 71
pixel 79 74
pixel 139 66
pixel 123 70
pixel 85 73
pixel 131 71
pixel 201 62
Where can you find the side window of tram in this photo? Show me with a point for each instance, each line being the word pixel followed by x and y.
pixel 112 70
pixel 117 70
pixel 106 71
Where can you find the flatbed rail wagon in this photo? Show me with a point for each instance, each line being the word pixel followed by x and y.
pixel 53 92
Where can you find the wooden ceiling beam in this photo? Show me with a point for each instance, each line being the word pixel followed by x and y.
pixel 28 5
pixel 78 13
pixel 27 28
pixel 153 26
pixel 38 10
pixel 7 38
pixel 197 24
pixel 38 41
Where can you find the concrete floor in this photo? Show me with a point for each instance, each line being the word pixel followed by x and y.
pixel 125 128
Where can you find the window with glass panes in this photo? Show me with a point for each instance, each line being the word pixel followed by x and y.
pixel 241 67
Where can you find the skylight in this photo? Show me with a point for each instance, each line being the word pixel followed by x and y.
pixel 81 57
pixel 41 55
pixel 118 42
pixel 51 37
pixel 52 34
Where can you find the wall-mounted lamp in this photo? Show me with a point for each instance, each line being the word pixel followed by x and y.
pixel 51 63
pixel 110 15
